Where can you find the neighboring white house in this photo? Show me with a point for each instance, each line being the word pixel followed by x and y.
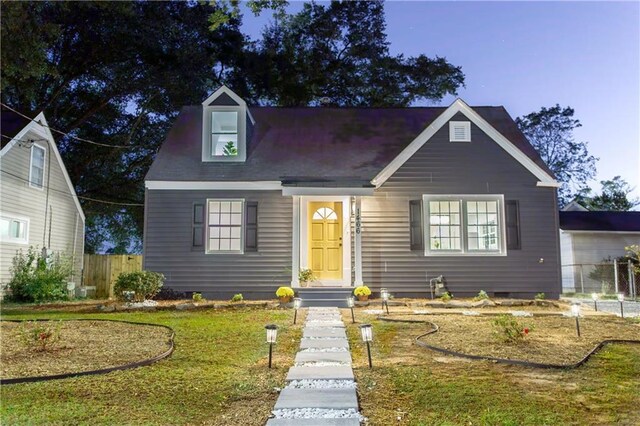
pixel 589 237
pixel 38 204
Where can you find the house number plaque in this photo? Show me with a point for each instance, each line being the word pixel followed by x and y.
pixel 357 220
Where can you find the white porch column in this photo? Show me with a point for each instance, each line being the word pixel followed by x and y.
pixel 358 242
pixel 295 248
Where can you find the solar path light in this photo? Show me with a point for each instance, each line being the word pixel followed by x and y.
pixel 297 302
pixel 367 336
pixel 621 300
pixel 594 296
pixel 384 294
pixel 350 304
pixel 575 311
pixel 272 334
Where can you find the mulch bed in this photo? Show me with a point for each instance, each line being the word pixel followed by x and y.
pixel 83 346
pixel 553 340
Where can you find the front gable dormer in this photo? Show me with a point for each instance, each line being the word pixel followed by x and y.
pixel 225 118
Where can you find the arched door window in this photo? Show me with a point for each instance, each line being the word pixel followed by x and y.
pixel 325 213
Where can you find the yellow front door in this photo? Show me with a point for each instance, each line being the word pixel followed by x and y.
pixel 325 239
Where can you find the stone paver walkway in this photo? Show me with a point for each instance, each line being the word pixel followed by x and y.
pixel 320 390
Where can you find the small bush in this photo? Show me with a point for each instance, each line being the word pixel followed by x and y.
pixel 284 292
pixel 197 297
pixel 237 298
pixel 540 296
pixel 362 290
pixel 482 295
pixel 169 294
pixel 40 336
pixel 306 275
pixel 509 330
pixel 446 296
pixel 38 278
pixel 145 284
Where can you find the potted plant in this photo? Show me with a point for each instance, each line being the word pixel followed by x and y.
pixel 285 294
pixel 362 293
pixel 304 276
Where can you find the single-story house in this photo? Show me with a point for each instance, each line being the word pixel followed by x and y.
pixel 39 206
pixel 239 199
pixel 588 239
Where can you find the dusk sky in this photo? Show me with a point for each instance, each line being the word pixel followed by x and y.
pixel 525 55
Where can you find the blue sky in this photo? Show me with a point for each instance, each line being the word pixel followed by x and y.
pixel 525 55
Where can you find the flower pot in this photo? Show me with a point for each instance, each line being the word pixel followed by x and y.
pixel 304 283
pixel 363 298
pixel 285 299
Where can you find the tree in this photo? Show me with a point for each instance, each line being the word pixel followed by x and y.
pixel 550 131
pixel 614 196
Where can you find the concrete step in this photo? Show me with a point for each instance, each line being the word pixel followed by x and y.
pixel 324 332
pixel 323 343
pixel 325 302
pixel 336 399
pixel 313 422
pixel 323 357
pixel 324 323
pixel 320 373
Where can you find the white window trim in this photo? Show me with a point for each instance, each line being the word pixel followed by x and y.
pixel 242 227
pixel 463 224
pixel 44 166
pixel 467 131
pixel 22 219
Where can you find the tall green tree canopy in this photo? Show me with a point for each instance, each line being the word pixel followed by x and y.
pixel 550 131
pixel 614 196
pixel 118 72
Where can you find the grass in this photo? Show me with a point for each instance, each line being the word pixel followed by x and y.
pixel 217 375
pixel 414 386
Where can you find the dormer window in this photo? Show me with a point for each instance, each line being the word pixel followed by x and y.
pixel 225 118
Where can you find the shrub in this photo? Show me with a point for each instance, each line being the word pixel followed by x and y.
pixel 237 298
pixel 482 295
pixel 36 277
pixel 540 296
pixel 40 336
pixel 284 292
pixel 197 297
pixel 446 296
pixel 510 330
pixel 306 275
pixel 145 284
pixel 362 290
pixel 169 294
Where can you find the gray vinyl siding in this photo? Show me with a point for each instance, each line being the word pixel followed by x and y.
pixel 168 245
pixel 20 200
pixel 477 167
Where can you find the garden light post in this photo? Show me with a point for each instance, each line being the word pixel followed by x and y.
pixel 350 304
pixel 367 336
pixel 575 310
pixel 272 334
pixel 384 294
pixel 594 296
pixel 621 300
pixel 297 302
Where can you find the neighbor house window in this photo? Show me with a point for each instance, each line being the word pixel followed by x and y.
pixel 36 173
pixel 465 224
pixel 14 230
pixel 224 226
pixel 224 133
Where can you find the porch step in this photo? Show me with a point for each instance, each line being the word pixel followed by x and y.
pixel 325 296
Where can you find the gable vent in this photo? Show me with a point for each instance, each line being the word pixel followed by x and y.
pixel 459 131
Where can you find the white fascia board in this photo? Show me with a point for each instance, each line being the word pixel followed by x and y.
pixel 264 185
pixel 40 126
pixel 553 184
pixel 299 190
pixel 460 106
pixel 570 231
pixel 232 95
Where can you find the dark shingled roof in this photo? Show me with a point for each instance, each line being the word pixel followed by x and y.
pixel 600 221
pixel 10 125
pixel 342 145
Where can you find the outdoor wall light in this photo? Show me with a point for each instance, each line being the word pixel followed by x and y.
pixel 575 310
pixel 384 295
pixel 297 302
pixel 272 334
pixel 367 336
pixel 594 296
pixel 350 304
pixel 621 300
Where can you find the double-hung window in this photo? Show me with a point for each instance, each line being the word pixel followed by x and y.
pixel 36 170
pixel 14 230
pixel 465 225
pixel 224 226
pixel 224 133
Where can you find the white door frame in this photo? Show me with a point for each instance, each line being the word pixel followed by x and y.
pixel 303 230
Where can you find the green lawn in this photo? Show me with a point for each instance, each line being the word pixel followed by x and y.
pixel 414 386
pixel 217 375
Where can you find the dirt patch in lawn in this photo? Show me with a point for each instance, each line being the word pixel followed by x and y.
pixel 552 340
pixel 83 346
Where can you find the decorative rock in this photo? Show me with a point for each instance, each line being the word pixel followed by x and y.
pixel 185 306
pixel 521 314
pixel 315 413
pixel 470 313
pixel 483 303
pixel 434 304
pixel 456 304
pixel 107 308
pixel 513 302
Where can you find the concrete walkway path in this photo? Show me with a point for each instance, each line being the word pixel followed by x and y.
pixel 320 386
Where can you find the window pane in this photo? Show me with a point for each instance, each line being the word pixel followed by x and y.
pixel 214 244
pixel 444 229
pixel 4 227
pixel 224 122
pixel 235 244
pixel 225 232
pixel 482 226
pixel 225 219
pixel 214 232
pixel 225 207
pixel 225 245
pixel 236 219
pixel 235 232
pixel 214 219
pixel 236 207
pixel 214 206
pixel 434 206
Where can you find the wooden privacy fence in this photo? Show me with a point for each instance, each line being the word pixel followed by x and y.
pixel 102 270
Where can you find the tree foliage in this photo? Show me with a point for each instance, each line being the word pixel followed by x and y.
pixel 118 72
pixel 550 131
pixel 614 196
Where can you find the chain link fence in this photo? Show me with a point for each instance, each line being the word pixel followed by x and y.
pixel 605 278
